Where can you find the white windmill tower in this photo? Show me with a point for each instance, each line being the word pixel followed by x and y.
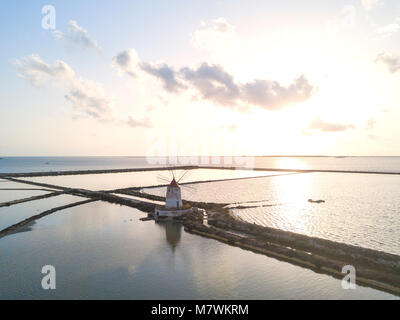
pixel 173 200
pixel 174 197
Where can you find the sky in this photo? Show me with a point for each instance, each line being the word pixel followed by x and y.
pixel 204 77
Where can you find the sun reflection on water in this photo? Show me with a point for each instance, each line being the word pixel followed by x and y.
pixel 291 163
pixel 293 193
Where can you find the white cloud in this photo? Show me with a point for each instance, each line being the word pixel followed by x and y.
pixel 77 35
pixel 272 96
pixel 344 22
pixel 127 62
pixel 213 33
pixel 388 30
pixel 133 123
pixel 390 60
pixel 321 125
pixel 215 84
pixel 370 4
pixel 37 71
pixel 164 73
pixel 86 96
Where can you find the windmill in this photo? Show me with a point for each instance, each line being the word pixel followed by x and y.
pixel 173 200
pixel 181 179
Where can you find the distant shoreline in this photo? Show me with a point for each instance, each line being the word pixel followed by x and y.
pixel 208 156
pixel 161 168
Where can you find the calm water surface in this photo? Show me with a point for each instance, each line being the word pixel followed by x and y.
pixel 12 191
pixel 359 209
pixel 18 212
pixel 102 250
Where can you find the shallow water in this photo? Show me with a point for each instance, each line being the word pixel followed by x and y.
pixel 359 209
pixel 18 212
pixel 102 250
pixel 17 191
pixel 9 195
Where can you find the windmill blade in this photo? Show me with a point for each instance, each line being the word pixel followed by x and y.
pixel 173 173
pixel 183 175
pixel 186 186
pixel 162 178
pixel 188 191
pixel 186 174
pixel 189 188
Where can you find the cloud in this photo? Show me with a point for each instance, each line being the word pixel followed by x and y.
pixel 390 60
pixel 344 22
pixel 133 123
pixel 388 30
pixel 213 83
pixel 77 35
pixel 86 96
pixel 165 73
pixel 271 95
pixel 321 125
pixel 127 62
pixel 36 71
pixel 213 32
pixel 369 4
pixel 89 98
pixel 221 25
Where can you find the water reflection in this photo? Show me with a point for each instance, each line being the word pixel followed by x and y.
pixel 105 255
pixel 173 232
pixel 294 194
pixel 291 163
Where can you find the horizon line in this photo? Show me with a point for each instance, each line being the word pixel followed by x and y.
pixel 186 156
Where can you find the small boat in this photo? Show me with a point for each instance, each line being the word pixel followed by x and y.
pixel 316 201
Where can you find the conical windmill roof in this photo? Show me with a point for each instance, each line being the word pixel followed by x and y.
pixel 174 183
